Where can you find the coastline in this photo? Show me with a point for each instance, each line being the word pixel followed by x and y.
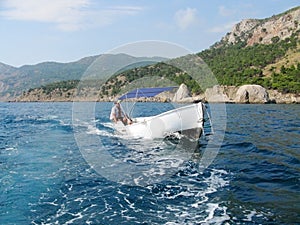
pixel 245 94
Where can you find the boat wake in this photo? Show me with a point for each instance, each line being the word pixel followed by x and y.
pixel 133 161
pixel 187 198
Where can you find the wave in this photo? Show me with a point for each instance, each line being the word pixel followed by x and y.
pixel 187 199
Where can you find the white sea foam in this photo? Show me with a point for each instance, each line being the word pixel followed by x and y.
pixel 10 149
pixel 250 215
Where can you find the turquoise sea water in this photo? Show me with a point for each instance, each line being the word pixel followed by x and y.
pixel 45 179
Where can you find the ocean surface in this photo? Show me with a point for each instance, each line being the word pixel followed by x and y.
pixel 49 174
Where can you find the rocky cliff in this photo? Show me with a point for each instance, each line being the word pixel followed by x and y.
pixel 264 31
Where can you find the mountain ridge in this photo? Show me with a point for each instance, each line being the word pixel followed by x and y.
pixel 258 51
pixel 15 80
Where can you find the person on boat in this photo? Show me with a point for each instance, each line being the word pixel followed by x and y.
pixel 117 114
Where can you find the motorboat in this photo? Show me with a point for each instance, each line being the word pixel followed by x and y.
pixel 186 120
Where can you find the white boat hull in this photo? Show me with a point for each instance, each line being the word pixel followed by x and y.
pixel 187 120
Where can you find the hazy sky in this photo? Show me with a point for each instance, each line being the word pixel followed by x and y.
pixel 34 31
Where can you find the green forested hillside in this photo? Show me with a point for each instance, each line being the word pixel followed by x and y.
pixel 62 86
pixel 232 65
pixel 165 72
pixel 238 65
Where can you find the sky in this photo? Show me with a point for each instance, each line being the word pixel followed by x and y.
pixel 35 31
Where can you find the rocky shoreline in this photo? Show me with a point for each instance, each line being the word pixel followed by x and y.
pixel 249 94
pixel 246 94
pixel 252 94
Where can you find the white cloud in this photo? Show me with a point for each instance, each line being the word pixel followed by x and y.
pixel 186 18
pixel 68 15
pixel 223 28
pixel 223 11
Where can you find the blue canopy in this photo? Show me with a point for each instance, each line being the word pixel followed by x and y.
pixel 145 92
